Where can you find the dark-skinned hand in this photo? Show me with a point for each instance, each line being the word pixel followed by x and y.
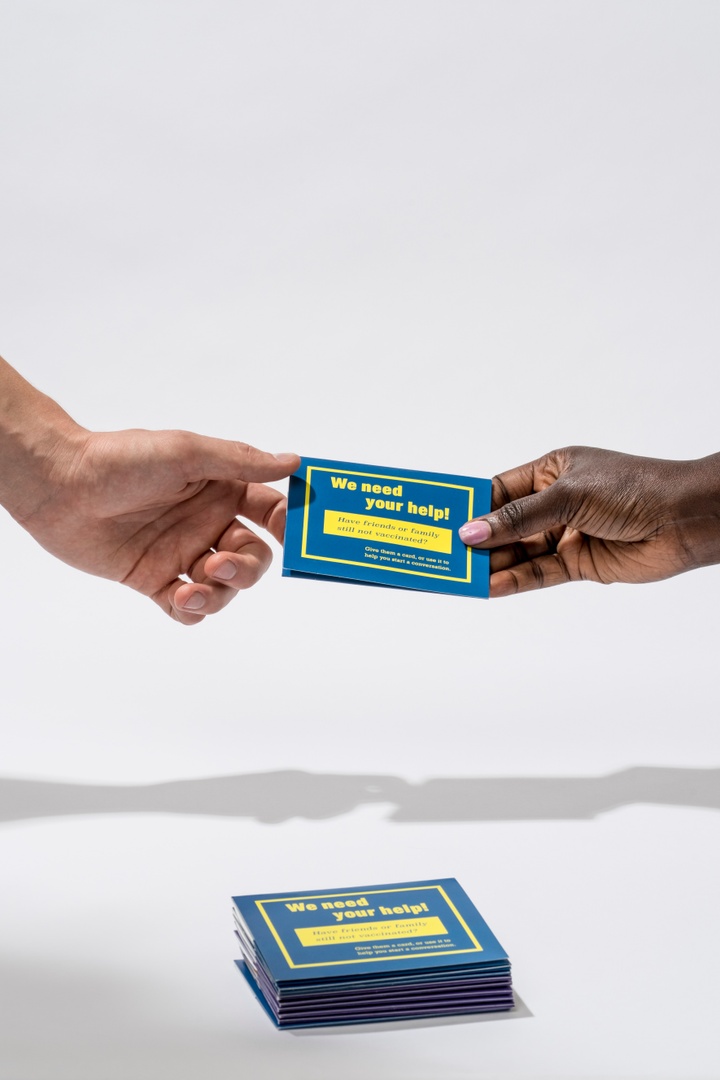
pixel 584 514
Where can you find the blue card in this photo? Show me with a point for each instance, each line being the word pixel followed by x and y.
pixel 334 933
pixel 377 952
pixel 383 526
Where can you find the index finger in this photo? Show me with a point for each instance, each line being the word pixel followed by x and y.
pixel 202 457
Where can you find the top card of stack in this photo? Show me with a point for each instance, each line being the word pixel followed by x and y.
pixel 385 526
pixel 382 952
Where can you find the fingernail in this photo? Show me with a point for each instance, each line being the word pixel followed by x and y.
pixel 474 532
pixel 225 571
pixel 285 458
pixel 194 602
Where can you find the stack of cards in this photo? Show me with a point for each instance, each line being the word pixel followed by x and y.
pixel 382 952
pixel 385 526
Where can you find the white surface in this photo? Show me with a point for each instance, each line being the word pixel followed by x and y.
pixel 449 236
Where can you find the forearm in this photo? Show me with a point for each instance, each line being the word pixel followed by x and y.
pixel 34 434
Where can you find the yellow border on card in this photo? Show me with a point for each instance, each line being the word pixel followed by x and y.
pixel 381 476
pixel 477 947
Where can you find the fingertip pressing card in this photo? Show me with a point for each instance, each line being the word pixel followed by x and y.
pixel 385 526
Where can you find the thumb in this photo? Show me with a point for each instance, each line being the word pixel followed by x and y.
pixel 516 520
pixel 205 458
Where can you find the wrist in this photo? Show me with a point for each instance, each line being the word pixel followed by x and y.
pixel 698 509
pixel 38 440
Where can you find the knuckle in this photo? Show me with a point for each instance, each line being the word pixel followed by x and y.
pixel 537 573
pixel 275 514
pixel 513 585
pixel 561 569
pixel 500 493
pixel 511 518
pixel 251 456
pixel 264 555
pixel 180 442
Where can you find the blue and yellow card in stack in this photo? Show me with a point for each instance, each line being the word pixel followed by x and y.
pixel 385 526
pixel 375 953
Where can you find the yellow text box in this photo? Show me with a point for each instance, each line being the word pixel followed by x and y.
pixel 371 931
pixel 388 530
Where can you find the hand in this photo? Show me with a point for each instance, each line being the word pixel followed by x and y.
pixel 145 507
pixel 140 507
pixel 582 514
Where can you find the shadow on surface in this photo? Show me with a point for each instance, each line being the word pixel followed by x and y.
pixel 274 797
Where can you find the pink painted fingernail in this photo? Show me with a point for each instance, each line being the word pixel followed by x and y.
pixel 475 532
pixel 225 571
pixel 194 602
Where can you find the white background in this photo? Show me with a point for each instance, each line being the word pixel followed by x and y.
pixel 442 235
